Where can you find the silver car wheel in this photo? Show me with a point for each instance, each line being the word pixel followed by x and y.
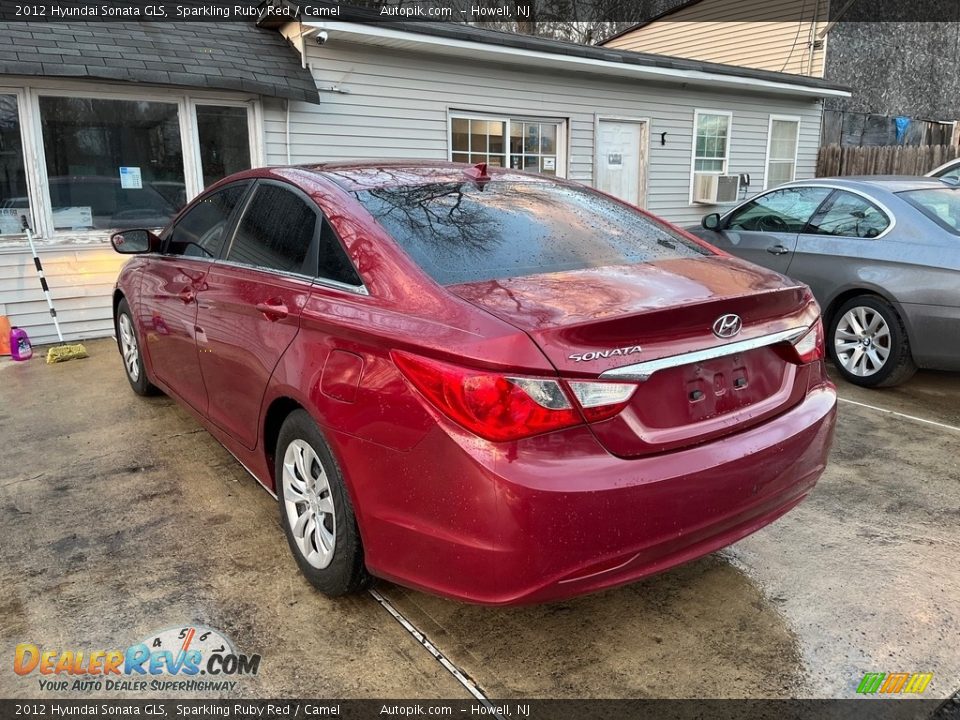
pixel 128 346
pixel 862 341
pixel 309 504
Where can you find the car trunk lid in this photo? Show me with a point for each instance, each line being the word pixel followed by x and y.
pixel 599 323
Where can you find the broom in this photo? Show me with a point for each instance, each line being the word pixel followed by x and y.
pixel 61 352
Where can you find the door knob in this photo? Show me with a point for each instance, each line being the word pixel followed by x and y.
pixel 778 250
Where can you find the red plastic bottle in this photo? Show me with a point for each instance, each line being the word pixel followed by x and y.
pixel 20 348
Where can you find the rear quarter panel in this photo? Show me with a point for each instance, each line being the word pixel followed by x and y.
pixel 914 267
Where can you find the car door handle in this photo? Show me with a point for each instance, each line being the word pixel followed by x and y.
pixel 273 309
pixel 187 295
pixel 778 250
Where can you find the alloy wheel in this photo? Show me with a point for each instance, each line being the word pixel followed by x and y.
pixel 862 341
pixel 129 348
pixel 309 504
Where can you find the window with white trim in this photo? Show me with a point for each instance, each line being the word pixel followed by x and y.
pixel 77 162
pixel 223 132
pixel 711 142
pixel 112 164
pixel 530 144
pixel 782 144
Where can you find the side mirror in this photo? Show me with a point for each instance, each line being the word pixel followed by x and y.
pixel 134 242
pixel 711 221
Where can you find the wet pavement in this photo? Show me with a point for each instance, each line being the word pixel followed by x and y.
pixel 121 517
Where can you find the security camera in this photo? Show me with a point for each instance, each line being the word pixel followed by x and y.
pixel 322 37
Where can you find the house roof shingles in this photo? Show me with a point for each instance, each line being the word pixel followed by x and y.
pixel 212 56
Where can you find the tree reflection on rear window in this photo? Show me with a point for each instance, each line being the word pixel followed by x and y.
pixel 460 232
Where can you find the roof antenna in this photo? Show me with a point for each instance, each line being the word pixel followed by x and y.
pixel 478 173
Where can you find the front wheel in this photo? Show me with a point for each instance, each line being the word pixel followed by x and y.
pixel 130 351
pixel 315 510
pixel 869 343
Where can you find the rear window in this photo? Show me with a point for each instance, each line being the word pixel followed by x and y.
pixel 459 233
pixel 942 205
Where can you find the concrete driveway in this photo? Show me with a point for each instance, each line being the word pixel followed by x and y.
pixel 121 517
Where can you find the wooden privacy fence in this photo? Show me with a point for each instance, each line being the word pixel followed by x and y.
pixel 834 160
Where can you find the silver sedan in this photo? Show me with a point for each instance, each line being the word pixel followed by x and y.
pixel 882 256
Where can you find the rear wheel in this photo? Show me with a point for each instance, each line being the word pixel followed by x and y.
pixel 868 343
pixel 315 510
pixel 130 351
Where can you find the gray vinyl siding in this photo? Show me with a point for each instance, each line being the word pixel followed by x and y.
pixel 81 283
pixel 396 105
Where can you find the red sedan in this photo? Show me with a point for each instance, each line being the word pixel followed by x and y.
pixel 497 387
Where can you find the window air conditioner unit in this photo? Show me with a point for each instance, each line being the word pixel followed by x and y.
pixel 711 189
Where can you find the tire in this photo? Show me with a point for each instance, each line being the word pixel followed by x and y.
pixel 130 352
pixel 868 343
pixel 329 551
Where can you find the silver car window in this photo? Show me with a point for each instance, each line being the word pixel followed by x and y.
pixel 950 171
pixel 942 205
pixel 784 210
pixel 849 215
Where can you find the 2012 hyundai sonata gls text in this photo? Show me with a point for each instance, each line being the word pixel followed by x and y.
pixel 497 387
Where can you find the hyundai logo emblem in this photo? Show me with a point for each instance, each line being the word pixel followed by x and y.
pixel 726 326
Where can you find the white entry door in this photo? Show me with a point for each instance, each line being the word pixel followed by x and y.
pixel 622 159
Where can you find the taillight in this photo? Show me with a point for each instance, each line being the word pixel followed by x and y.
pixel 495 407
pixel 600 401
pixel 505 407
pixel 810 347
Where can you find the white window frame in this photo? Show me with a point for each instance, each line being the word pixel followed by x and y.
pixel 796 149
pixel 507 119
pixel 254 131
pixel 31 133
pixel 29 148
pixel 693 146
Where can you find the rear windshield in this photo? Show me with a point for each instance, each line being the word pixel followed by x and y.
pixel 942 205
pixel 458 232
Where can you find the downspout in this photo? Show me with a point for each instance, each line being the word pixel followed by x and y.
pixel 287 106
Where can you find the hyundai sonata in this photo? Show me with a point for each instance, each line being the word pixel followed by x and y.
pixel 493 386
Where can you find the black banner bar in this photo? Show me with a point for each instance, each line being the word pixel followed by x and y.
pixel 477 11
pixel 867 708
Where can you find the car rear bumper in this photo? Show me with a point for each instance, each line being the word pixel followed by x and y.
pixel 558 516
pixel 934 334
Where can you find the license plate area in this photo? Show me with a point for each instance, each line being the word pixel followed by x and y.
pixel 712 388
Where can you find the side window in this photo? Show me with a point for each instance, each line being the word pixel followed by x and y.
pixel 199 233
pixel 951 173
pixel 334 263
pixel 850 215
pixel 277 232
pixel 786 210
